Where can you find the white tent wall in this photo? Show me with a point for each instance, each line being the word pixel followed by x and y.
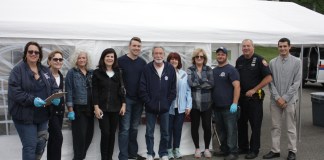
pixel 179 26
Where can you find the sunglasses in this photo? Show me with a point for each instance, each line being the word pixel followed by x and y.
pixel 31 52
pixel 58 59
pixel 201 57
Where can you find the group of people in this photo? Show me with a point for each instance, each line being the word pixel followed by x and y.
pixel 238 100
pixel 120 88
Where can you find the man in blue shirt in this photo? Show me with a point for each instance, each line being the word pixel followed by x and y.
pixel 226 93
pixel 132 66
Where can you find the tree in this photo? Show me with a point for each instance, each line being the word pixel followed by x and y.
pixel 316 5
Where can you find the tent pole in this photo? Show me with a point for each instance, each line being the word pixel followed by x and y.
pixel 299 96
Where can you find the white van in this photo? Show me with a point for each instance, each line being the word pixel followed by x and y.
pixel 313 63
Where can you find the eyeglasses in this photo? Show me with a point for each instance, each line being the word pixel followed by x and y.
pixel 58 59
pixel 31 52
pixel 201 57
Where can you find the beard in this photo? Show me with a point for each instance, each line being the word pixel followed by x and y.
pixel 158 61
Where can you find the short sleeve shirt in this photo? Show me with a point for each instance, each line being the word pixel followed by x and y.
pixel 251 71
pixel 223 90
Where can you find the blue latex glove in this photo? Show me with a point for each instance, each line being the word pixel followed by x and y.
pixel 39 102
pixel 233 108
pixel 71 116
pixel 56 101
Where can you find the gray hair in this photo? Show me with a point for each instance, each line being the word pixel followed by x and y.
pixel 249 41
pixel 74 58
pixel 154 47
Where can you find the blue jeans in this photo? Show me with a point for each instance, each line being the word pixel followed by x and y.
pixel 226 126
pixel 149 135
pixel 33 138
pixel 175 129
pixel 128 125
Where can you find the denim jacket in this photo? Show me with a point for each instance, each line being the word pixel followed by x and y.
pixel 183 99
pixel 76 86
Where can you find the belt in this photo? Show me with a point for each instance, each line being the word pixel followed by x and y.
pixel 258 95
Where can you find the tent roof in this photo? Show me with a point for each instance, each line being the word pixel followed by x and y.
pixel 206 21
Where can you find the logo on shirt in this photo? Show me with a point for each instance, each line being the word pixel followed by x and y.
pixel 46 75
pixel 166 78
pixel 265 63
pixel 222 74
pixel 253 61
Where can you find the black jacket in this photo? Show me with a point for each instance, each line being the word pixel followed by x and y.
pixel 59 110
pixel 107 91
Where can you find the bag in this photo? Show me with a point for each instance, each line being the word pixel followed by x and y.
pixel 122 86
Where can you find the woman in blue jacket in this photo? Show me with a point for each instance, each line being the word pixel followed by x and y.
pixel 30 83
pixel 108 100
pixel 180 107
pixel 78 86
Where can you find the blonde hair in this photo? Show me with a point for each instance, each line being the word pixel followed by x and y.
pixel 74 59
pixel 196 52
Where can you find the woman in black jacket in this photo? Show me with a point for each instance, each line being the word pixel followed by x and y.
pixel 55 138
pixel 108 99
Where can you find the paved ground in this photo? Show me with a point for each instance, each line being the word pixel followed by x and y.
pixel 311 146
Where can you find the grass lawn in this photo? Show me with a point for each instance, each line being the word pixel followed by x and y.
pixel 266 52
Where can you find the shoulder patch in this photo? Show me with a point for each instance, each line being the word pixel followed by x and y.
pixel 264 62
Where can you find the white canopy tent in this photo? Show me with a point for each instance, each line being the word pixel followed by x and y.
pixel 179 25
pixel 206 21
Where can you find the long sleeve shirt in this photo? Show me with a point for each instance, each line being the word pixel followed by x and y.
pixel 287 76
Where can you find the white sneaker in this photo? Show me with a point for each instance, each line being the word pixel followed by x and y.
pixel 207 154
pixel 164 158
pixel 197 153
pixel 149 157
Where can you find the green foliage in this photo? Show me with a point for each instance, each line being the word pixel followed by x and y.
pixel 316 5
pixel 267 53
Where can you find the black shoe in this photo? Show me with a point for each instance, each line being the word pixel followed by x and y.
pixel 242 151
pixel 251 155
pixel 231 157
pixel 137 157
pixel 271 155
pixel 220 153
pixel 291 155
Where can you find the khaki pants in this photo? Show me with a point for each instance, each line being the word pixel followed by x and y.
pixel 277 114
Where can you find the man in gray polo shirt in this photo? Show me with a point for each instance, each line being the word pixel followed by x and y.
pixel 287 76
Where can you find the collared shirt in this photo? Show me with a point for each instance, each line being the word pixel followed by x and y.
pixel 252 71
pixel 287 76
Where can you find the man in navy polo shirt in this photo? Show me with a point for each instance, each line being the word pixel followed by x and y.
pixel 226 93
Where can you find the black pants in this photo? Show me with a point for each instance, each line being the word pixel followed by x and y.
pixel 108 125
pixel 251 111
pixel 206 125
pixel 82 133
pixel 55 139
